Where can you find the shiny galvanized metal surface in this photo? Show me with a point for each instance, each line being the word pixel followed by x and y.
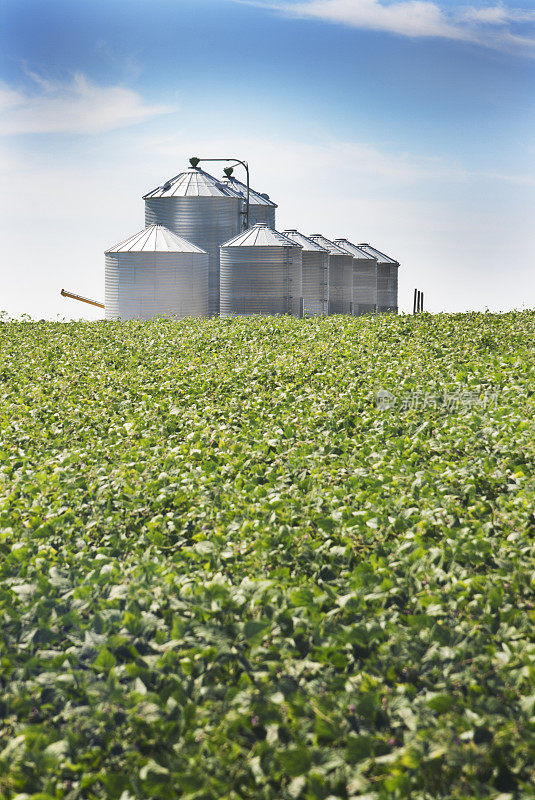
pixel 193 182
pixel 387 279
pixel 261 208
pixel 155 238
pixel 260 274
pixel 364 278
pixel 155 273
pixel 315 271
pixel 200 208
pixel 340 276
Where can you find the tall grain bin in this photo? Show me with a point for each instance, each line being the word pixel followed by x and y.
pixel 315 281
pixel 387 280
pixel 260 274
pixel 156 272
pixel 261 208
pixel 204 211
pixel 364 278
pixel 340 276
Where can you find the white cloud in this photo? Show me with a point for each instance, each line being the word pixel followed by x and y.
pixel 78 106
pixel 490 26
pixel 408 17
pixel 498 15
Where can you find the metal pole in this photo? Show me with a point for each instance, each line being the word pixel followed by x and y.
pixel 81 299
pixel 194 161
pixel 422 301
pixel 414 302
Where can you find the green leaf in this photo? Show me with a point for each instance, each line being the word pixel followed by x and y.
pixel 253 628
pixel 358 748
pixel 105 660
pixel 295 761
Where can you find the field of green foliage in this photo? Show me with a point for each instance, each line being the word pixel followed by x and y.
pixel 227 571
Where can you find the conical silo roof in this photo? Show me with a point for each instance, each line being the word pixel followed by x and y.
pixel 194 182
pixel 260 235
pixel 155 238
pixel 353 250
pixel 255 198
pixel 327 244
pixel 308 245
pixel 374 253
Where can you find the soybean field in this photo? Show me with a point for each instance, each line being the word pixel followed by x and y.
pixel 268 558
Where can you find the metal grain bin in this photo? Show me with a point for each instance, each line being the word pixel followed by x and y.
pixel 387 280
pixel 260 274
pixel 198 207
pixel 155 272
pixel 261 208
pixel 315 281
pixel 364 278
pixel 340 276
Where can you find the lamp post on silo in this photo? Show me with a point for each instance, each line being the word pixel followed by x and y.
pixel 194 161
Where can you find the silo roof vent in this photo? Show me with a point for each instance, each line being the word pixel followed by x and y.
pixel 308 245
pixel 333 248
pixel 354 250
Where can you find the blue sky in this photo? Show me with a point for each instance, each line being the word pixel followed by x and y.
pixel 404 123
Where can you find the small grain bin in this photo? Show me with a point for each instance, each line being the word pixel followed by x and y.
pixel 315 281
pixel 260 274
pixel 156 272
pixel 340 276
pixel 204 211
pixel 364 278
pixel 387 280
pixel 261 208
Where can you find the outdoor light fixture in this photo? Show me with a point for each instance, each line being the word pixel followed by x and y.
pixel 194 161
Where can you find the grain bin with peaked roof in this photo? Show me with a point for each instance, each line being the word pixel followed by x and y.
pixel 261 208
pixel 340 276
pixel 364 278
pixel 260 274
pixel 203 210
pixel 155 272
pixel 387 280
pixel 315 280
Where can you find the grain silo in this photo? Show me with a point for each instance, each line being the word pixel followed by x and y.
pixel 315 272
pixel 261 208
pixel 340 276
pixel 155 272
pixel 364 278
pixel 204 211
pixel 260 274
pixel 387 280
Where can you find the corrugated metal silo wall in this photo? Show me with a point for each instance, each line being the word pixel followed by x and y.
pixel 364 286
pixel 141 285
pixel 260 280
pixel 315 282
pixel 205 221
pixel 340 284
pixel 262 213
pixel 387 288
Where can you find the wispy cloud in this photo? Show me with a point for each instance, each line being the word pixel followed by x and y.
pixel 497 26
pixel 76 106
pixel 498 15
